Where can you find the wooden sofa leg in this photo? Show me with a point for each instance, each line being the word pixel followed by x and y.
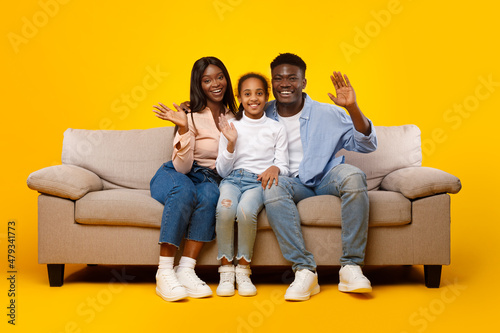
pixel 432 274
pixel 56 274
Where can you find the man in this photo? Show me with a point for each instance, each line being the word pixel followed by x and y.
pixel 316 132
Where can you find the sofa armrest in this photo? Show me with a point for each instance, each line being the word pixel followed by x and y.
pixel 65 181
pixel 418 182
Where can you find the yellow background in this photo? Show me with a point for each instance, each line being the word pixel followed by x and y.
pixel 85 64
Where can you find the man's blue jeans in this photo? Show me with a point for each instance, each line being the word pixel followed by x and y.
pixel 241 199
pixel 189 199
pixel 344 181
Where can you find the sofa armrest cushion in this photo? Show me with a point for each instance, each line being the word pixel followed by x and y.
pixel 65 181
pixel 418 182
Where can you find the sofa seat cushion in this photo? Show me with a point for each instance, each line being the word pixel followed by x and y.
pixel 386 209
pixel 137 208
pixel 119 207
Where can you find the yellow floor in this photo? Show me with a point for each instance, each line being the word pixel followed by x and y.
pixel 122 298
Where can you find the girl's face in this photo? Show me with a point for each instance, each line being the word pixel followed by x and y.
pixel 253 97
pixel 213 84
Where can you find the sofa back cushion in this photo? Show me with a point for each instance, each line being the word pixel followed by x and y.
pixel 398 147
pixel 121 158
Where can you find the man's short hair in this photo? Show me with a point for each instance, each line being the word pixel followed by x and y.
pixel 289 59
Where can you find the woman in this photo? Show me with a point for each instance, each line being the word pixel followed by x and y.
pixel 188 185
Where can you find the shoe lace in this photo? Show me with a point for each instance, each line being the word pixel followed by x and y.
pixel 243 278
pixel 193 277
pixel 356 272
pixel 170 278
pixel 299 279
pixel 225 277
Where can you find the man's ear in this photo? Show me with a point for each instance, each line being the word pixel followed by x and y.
pixel 304 83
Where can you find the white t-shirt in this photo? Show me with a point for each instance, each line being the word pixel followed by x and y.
pixel 295 152
pixel 261 143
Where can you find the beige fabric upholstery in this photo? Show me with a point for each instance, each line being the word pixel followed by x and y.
pixel 418 182
pixel 61 240
pixel 424 241
pixel 65 181
pixel 119 207
pixel 123 158
pixel 398 147
pixel 137 208
pixel 386 208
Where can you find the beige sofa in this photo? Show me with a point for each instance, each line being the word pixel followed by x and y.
pixel 96 208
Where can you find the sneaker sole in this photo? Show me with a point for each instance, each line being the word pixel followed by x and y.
pixel 303 297
pixel 354 289
pixel 199 295
pixel 247 293
pixel 170 298
pixel 224 293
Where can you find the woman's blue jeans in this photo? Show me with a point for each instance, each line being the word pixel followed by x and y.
pixel 344 181
pixel 241 200
pixel 190 201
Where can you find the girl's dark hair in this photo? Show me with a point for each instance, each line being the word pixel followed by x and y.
pixel 198 100
pixel 242 79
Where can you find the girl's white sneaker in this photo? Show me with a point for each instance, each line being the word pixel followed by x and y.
pixel 243 283
pixel 226 284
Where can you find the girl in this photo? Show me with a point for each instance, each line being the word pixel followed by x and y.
pixel 252 153
pixel 188 185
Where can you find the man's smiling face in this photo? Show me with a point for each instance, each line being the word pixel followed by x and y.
pixel 288 81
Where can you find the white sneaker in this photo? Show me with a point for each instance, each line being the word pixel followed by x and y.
pixel 195 287
pixel 168 287
pixel 226 284
pixel 352 280
pixel 303 287
pixel 243 283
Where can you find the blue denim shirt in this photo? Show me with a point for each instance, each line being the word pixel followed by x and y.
pixel 324 130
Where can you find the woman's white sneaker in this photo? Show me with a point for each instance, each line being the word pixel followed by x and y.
pixel 168 287
pixel 226 284
pixel 243 283
pixel 352 280
pixel 195 287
